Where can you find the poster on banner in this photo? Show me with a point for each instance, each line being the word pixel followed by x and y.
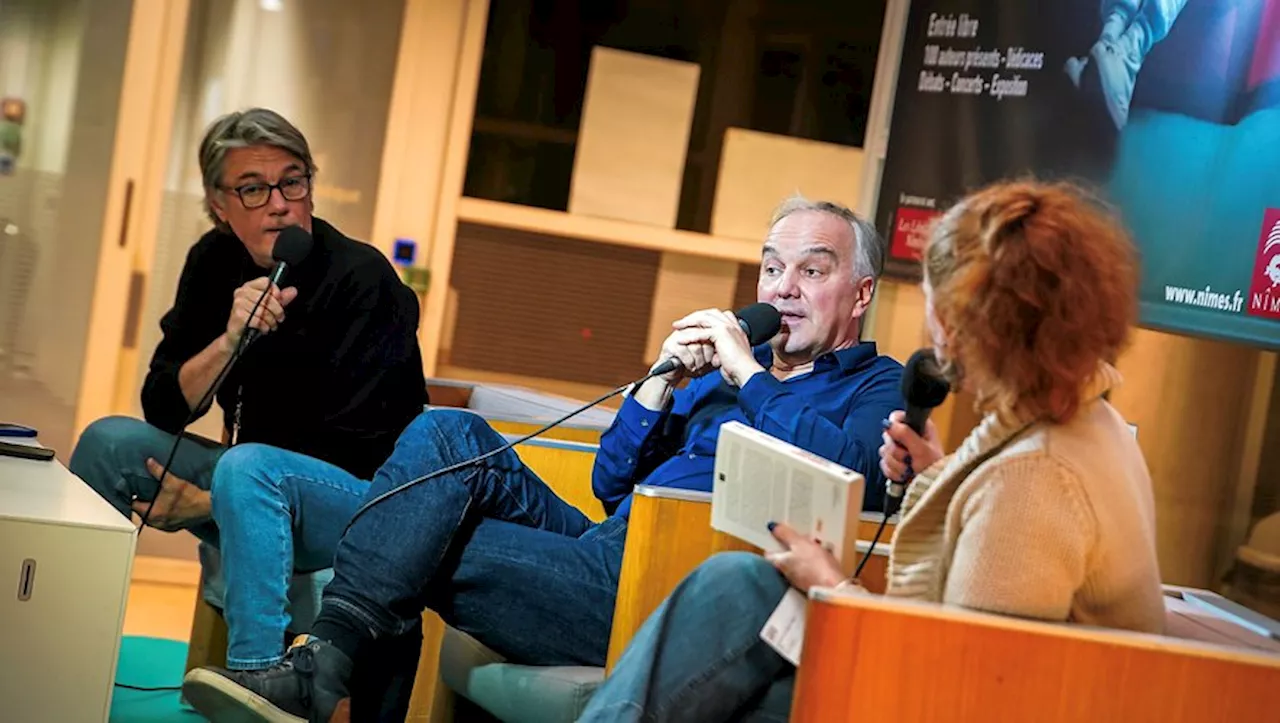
pixel 1168 109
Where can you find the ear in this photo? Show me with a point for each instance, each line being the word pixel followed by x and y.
pixel 215 203
pixel 866 289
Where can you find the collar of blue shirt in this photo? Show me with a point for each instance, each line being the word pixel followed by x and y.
pixel 850 359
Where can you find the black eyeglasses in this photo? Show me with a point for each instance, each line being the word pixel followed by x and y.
pixel 256 195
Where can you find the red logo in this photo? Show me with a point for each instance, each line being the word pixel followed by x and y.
pixel 911 231
pixel 1264 293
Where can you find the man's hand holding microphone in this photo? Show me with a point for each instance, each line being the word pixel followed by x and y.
pixel 269 314
pixel 706 341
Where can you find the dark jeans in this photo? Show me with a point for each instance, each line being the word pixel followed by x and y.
pixel 490 548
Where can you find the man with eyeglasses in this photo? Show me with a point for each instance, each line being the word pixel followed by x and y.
pixel 336 375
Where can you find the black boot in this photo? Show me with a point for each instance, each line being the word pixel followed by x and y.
pixel 304 687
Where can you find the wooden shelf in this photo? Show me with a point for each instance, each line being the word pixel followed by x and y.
pixel 602 230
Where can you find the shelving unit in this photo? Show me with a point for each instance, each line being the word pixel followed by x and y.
pixel 608 231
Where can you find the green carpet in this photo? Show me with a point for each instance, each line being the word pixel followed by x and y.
pixel 150 663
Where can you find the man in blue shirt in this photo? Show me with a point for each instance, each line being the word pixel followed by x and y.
pixel 499 556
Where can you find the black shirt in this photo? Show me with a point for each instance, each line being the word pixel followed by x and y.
pixel 338 380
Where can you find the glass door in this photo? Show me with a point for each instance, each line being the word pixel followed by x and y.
pixel 78 80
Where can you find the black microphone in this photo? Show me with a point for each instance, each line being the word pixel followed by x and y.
pixel 292 246
pixel 924 388
pixel 760 322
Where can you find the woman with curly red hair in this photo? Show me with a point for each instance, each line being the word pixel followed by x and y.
pixel 1044 512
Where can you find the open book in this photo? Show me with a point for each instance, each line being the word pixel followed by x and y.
pixel 759 479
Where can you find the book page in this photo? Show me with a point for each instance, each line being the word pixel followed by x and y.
pixel 760 480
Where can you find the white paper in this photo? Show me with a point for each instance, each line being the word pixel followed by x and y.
pixel 784 630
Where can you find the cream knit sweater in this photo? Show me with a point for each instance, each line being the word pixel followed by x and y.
pixel 1057 524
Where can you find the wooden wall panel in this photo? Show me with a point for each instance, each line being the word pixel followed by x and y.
pixel 634 135
pixel 1190 400
pixel 744 292
pixel 759 170
pixel 542 306
pixel 449 159
pixel 1266 498
pixel 899 319
pixel 686 284
pixel 629 165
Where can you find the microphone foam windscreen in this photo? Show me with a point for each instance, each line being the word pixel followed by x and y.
pixel 292 246
pixel 922 382
pixel 763 322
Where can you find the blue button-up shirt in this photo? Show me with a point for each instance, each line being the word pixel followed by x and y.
pixel 834 411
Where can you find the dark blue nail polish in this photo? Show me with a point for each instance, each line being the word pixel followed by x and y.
pixel 907 460
pixel 885 423
pixel 772 525
pixel 908 474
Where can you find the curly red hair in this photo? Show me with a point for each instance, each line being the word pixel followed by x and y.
pixel 1035 284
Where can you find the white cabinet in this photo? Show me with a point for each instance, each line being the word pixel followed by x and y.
pixel 65 560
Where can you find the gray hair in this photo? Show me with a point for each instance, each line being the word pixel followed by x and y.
pixel 242 129
pixel 870 251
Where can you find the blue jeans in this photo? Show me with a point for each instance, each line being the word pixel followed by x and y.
pixel 278 513
pixel 111 457
pixel 699 657
pixel 489 547
pixel 274 513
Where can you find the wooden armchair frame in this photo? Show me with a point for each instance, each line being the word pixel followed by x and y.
pixel 870 657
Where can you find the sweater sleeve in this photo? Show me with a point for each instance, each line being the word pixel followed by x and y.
pixel 1025 537
pixel 196 318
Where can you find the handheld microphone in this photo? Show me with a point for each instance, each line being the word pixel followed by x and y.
pixel 924 388
pixel 759 321
pixel 292 246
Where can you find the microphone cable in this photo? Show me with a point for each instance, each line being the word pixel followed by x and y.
pixel 497 450
pixel 890 509
pixel 173 452
pixel 923 387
